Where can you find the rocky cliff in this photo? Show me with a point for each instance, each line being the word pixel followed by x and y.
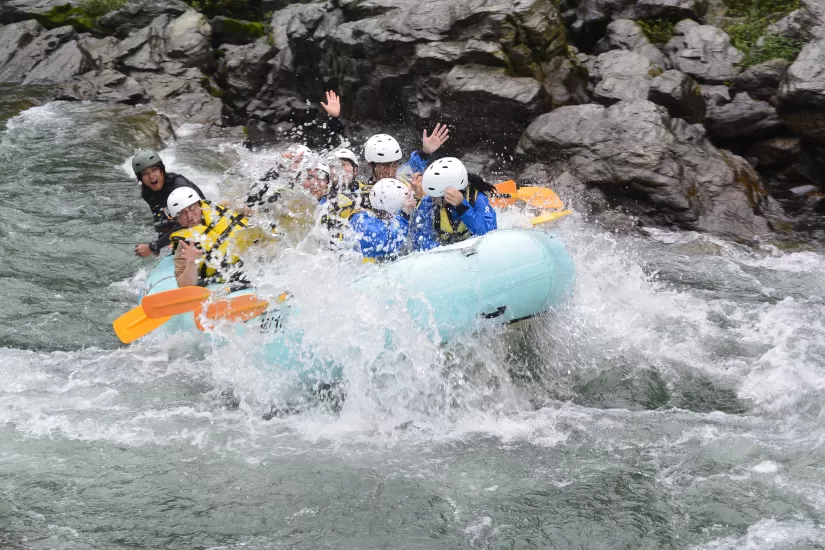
pixel 684 113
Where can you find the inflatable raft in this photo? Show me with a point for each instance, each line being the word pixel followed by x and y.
pixel 505 276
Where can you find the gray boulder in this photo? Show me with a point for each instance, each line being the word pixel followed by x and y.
pixel 476 92
pixel 242 71
pixel 623 75
pixel 801 97
pixel 762 81
pixel 182 97
pixel 715 94
pixel 170 45
pixel 401 60
pixel 102 52
pixel 743 118
pixel 137 14
pixel 593 15
pixel 564 83
pixel 106 85
pixel 40 57
pixel 704 52
pixel 660 168
pixel 680 95
pixel 804 24
pixel 14 11
pixel 14 37
pixel 66 62
pixel 624 34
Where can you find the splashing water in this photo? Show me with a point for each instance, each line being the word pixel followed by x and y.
pixel 674 402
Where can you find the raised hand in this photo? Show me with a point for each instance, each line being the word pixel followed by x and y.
pixel 333 104
pixel 431 143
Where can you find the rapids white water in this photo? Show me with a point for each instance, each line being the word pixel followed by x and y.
pixel 675 402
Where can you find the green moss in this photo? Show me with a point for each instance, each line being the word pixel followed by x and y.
pixel 654 71
pixel 245 130
pixel 83 17
pixel 752 17
pixel 658 31
pixel 60 16
pixel 773 46
pixel 248 28
pixel 270 39
pixel 96 8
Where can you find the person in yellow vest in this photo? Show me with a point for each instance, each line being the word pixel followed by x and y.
pixel 203 246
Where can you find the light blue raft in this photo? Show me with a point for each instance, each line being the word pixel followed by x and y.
pixel 502 277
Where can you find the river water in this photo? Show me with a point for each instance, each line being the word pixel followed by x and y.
pixel 675 402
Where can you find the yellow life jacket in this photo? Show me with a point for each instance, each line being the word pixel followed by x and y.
pixel 341 209
pixel 213 239
pixel 447 231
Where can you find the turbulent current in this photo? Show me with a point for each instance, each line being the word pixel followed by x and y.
pixel 675 402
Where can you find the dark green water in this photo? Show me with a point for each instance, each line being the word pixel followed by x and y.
pixel 675 403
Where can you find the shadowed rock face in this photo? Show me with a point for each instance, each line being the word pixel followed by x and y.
pixel 801 97
pixel 668 170
pixel 394 59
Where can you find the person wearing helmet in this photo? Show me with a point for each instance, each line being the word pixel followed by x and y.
pixel 383 153
pixel 202 243
pixel 316 181
pixel 348 161
pixel 382 230
pixel 155 186
pixel 285 172
pixel 455 208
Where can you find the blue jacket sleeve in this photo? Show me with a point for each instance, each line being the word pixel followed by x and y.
pixel 418 161
pixel 422 229
pixel 378 238
pixel 480 218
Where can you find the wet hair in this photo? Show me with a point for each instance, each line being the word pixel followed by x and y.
pixel 477 182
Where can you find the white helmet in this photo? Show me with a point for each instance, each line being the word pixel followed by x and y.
pixel 181 198
pixel 293 151
pixel 321 167
pixel 346 154
pixel 389 195
pixel 382 148
pixel 444 173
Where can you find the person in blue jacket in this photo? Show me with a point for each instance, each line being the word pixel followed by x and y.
pixel 383 154
pixel 455 208
pixel 381 231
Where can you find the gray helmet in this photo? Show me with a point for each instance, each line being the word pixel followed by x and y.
pixel 144 159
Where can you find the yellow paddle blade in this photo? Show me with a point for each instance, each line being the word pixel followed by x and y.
pixel 549 217
pixel 540 197
pixel 174 302
pixel 134 324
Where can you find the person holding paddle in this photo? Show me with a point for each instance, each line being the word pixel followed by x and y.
pixel 455 208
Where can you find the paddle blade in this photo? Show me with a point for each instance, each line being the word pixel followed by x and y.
pixel 240 308
pixel 549 217
pixel 134 324
pixel 540 197
pixel 505 188
pixel 174 302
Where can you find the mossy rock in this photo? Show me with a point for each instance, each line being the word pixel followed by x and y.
pixel 61 16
